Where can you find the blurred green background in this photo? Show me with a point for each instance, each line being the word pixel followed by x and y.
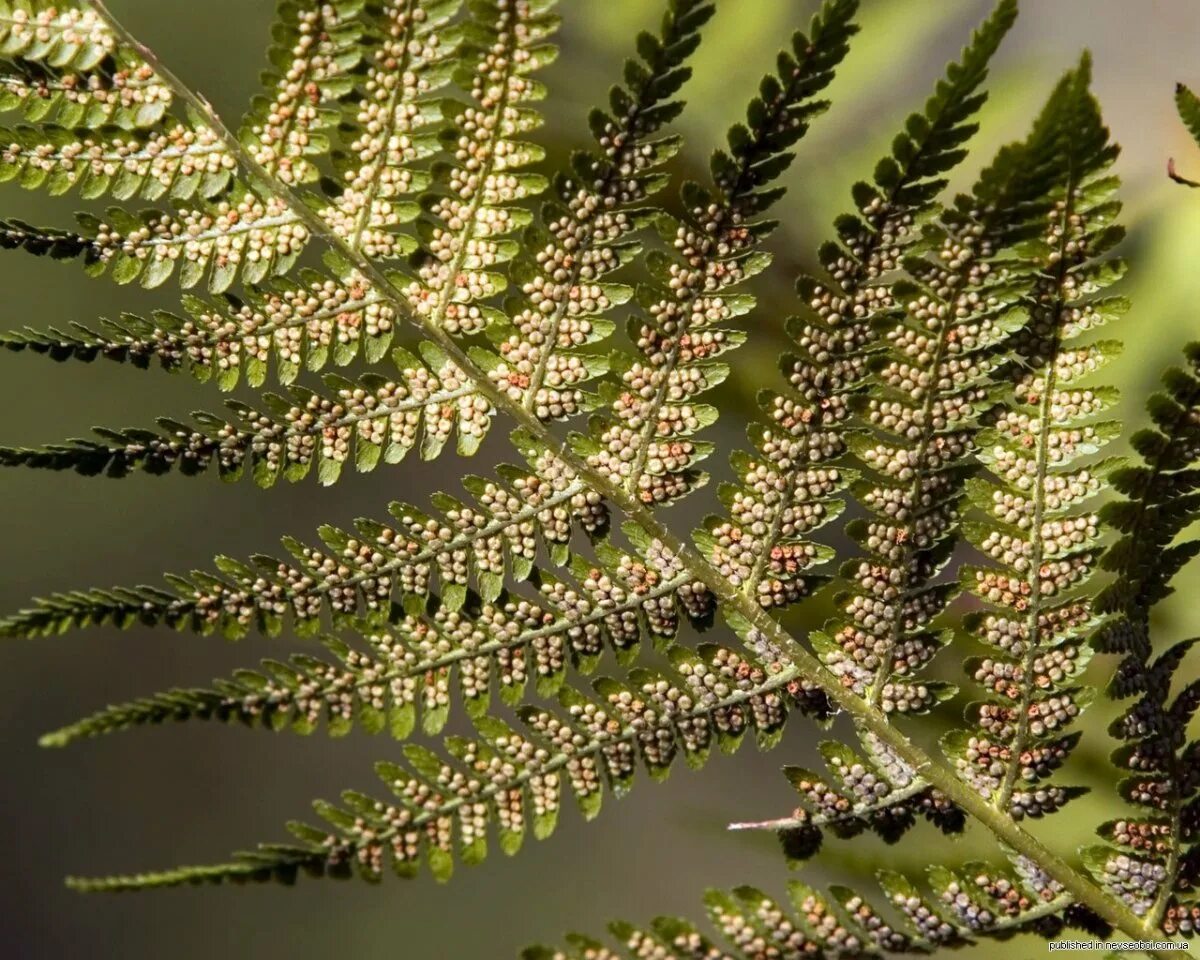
pixel 190 794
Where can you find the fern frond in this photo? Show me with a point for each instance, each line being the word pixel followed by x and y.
pixel 1188 105
pixel 1028 507
pixel 1151 858
pixel 875 790
pixel 788 482
pixel 464 545
pixel 393 124
pixel 446 805
pixel 300 324
pixel 60 35
pixel 316 45
pixel 929 388
pixel 590 231
pixel 179 160
pixel 121 90
pixel 984 902
pixel 365 422
pixel 418 658
pixel 644 441
pixel 474 207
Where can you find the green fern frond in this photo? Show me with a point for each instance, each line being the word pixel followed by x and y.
pixel 446 805
pixel 122 91
pixel 299 324
pixel 644 441
pixel 61 35
pixel 393 124
pixel 591 230
pixel 788 482
pixel 418 658
pixel 316 46
pixel 367 421
pixel 1188 105
pixel 179 160
pixel 1029 521
pixel 984 902
pixel 499 534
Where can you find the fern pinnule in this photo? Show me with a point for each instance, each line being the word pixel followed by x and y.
pixel 444 805
pixel 413 664
pixel 644 440
pixel 179 160
pixel 301 323
pixel 474 208
pixel 63 36
pixel 316 46
pixel 1037 619
pixel 788 482
pixel 590 231
pixel 393 123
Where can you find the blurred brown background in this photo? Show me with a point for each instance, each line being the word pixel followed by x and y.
pixel 190 794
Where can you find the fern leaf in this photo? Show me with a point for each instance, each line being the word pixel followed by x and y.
pixel 590 231
pixel 121 90
pixel 445 805
pixel 304 323
pixel 1188 105
pixel 365 422
pixel 393 125
pixel 180 160
pixel 1030 522
pixel 788 482
pixel 875 790
pixel 644 442
pixel 419 658
pixel 60 35
pixel 988 902
pixel 473 208
pixel 1149 860
pixel 475 545
pixel 316 46
pixel 929 389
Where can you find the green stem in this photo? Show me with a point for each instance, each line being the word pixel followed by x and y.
pixel 866 717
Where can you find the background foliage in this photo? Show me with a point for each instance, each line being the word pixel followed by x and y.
pixel 228 786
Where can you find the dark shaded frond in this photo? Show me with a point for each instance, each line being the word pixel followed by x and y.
pixel 1151 857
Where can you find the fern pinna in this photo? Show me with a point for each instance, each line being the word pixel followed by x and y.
pixel 388 178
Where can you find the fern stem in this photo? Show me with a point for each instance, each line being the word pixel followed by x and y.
pixel 804 663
